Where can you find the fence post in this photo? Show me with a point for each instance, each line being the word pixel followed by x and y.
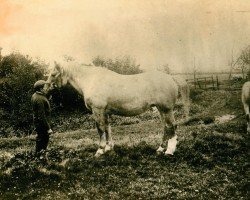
pixel 213 81
pixel 194 80
pixel 217 80
pixel 205 83
pixel 199 83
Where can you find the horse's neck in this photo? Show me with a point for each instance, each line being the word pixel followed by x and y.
pixel 75 85
pixel 81 78
pixel 78 78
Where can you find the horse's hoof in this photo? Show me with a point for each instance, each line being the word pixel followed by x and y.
pixel 108 148
pixel 160 151
pixel 99 152
pixel 169 152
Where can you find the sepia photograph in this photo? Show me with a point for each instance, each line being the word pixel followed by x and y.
pixel 124 99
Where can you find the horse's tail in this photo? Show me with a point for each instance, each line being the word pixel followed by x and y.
pixel 184 93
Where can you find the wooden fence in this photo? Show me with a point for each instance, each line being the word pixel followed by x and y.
pixel 213 82
pixel 208 82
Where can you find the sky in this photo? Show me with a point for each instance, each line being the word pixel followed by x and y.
pixel 184 34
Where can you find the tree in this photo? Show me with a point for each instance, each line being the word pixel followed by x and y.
pixel 18 74
pixel 243 62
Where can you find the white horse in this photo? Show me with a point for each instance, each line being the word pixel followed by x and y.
pixel 106 92
pixel 245 97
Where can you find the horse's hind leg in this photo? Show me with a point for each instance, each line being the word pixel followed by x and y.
pixel 169 140
pixel 101 127
pixel 109 142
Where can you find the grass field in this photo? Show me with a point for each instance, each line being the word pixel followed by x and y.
pixel 211 161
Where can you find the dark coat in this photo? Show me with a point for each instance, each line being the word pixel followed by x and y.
pixel 41 111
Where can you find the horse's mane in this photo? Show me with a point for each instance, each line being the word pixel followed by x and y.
pixel 76 68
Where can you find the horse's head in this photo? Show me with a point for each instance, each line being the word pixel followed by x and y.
pixel 56 78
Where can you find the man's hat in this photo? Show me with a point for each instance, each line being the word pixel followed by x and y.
pixel 39 84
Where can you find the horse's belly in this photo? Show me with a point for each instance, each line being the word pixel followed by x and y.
pixel 127 109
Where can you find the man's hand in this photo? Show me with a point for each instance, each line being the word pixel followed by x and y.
pixel 50 131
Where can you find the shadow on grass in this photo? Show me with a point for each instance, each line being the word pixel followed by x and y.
pixel 25 176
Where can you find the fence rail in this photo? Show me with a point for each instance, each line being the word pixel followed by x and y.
pixel 207 82
pixel 213 82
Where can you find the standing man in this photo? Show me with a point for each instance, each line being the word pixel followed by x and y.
pixel 41 114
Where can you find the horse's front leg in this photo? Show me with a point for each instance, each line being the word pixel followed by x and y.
pixel 169 140
pixel 109 142
pixel 104 131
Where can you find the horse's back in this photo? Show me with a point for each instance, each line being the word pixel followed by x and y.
pixel 109 81
pixel 162 82
pixel 154 85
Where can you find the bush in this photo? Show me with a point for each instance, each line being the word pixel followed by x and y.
pixel 18 73
pixel 124 65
